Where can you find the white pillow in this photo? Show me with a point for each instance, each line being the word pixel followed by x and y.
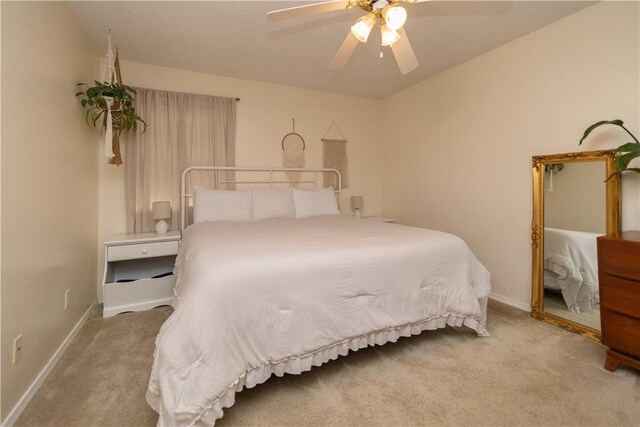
pixel 272 204
pixel 311 203
pixel 220 205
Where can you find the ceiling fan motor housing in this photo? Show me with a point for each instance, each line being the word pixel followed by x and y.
pixel 375 6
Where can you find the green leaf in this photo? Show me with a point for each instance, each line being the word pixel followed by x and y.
pixel 622 162
pixel 598 124
pixel 96 117
pixel 629 146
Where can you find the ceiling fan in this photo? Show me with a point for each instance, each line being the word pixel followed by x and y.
pixel 389 14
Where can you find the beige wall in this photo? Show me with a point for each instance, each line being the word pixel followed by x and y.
pixel 578 200
pixel 458 146
pixel 264 117
pixel 49 187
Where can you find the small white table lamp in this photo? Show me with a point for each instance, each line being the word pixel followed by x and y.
pixel 161 212
pixel 356 205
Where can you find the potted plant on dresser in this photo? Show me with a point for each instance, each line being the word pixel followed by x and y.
pixel 619 274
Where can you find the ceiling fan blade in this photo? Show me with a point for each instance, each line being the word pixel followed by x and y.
pixel 402 50
pixel 344 53
pixel 306 10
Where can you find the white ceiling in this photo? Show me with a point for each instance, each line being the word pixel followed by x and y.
pixel 233 38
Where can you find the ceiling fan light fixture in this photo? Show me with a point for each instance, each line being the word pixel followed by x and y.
pixel 362 28
pixel 395 17
pixel 389 36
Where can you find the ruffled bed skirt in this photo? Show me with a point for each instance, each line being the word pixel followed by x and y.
pixel 569 293
pixel 302 363
pixel 586 305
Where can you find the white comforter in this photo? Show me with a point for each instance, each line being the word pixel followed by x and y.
pixel 280 296
pixel 572 256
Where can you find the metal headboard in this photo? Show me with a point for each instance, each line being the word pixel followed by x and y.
pixel 269 179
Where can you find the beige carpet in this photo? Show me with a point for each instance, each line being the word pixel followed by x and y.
pixel 526 373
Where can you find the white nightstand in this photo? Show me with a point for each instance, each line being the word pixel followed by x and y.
pixel 380 219
pixel 135 271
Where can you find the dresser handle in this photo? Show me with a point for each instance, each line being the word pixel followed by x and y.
pixel 145 251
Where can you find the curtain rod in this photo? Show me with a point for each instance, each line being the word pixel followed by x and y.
pixel 202 94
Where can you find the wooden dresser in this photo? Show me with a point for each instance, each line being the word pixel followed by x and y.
pixel 619 275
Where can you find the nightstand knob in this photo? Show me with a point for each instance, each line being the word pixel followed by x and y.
pixel 145 251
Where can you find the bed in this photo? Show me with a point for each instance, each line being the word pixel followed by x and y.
pixel 278 296
pixel 571 267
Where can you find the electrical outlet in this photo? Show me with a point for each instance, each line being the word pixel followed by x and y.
pixel 67 297
pixel 17 349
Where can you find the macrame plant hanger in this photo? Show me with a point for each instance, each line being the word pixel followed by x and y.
pixel 113 126
pixel 293 147
pixel 552 170
pixel 335 157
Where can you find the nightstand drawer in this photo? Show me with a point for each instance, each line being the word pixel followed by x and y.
pixel 138 295
pixel 144 250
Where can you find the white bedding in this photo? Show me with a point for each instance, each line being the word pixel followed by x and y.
pixel 281 296
pixel 572 256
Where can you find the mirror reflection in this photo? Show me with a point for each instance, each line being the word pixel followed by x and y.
pixel 572 207
pixel 574 216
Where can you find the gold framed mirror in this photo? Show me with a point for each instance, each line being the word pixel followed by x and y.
pixel 573 203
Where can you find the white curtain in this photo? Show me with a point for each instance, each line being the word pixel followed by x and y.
pixel 183 130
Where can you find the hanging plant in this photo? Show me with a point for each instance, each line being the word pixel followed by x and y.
pixel 553 168
pixel 95 98
pixel 104 98
pixel 631 150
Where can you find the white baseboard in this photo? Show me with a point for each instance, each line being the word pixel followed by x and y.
pixel 44 373
pixel 509 301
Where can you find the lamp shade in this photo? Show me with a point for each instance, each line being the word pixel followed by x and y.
pixel 395 17
pixel 389 36
pixel 363 26
pixel 356 202
pixel 161 210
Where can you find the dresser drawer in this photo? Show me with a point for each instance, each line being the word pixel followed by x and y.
pixel 619 257
pixel 620 332
pixel 142 250
pixel 620 295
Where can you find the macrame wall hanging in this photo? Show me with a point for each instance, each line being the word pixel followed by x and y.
pixel 335 157
pixel 293 147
